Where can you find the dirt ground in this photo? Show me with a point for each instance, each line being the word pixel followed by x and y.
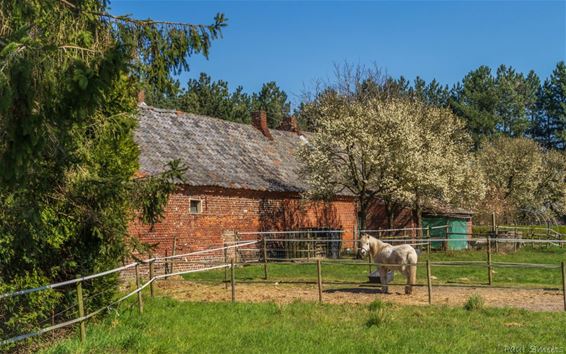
pixel 531 299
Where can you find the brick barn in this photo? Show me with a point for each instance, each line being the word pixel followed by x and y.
pixel 240 178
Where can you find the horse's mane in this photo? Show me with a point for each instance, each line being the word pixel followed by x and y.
pixel 380 243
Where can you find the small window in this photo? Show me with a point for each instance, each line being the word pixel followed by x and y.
pixel 195 206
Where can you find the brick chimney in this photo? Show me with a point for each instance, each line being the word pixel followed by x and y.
pixel 259 120
pixel 290 124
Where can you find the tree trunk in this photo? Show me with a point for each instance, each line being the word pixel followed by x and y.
pixel 362 214
pixel 418 215
pixel 390 210
pixel 419 211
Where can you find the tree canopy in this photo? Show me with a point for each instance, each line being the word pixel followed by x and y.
pixel 215 99
pixel 397 150
pixel 524 181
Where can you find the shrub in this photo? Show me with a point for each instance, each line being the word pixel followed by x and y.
pixel 474 303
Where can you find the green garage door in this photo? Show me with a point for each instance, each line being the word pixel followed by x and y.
pixel 458 229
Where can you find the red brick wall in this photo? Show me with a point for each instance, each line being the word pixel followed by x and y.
pixel 378 219
pixel 239 210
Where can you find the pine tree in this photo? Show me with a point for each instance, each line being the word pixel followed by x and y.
pixel 274 101
pixel 475 100
pixel 516 95
pixel 551 122
pixel 69 74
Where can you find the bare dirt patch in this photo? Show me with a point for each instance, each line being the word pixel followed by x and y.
pixel 530 299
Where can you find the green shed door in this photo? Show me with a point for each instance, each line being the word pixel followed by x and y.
pixel 439 233
pixel 457 226
pixel 459 232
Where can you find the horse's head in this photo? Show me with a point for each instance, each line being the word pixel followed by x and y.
pixel 364 246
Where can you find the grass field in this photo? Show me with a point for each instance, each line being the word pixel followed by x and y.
pixel 334 271
pixel 169 326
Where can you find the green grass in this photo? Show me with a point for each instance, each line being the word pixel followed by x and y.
pixel 169 326
pixel 334 271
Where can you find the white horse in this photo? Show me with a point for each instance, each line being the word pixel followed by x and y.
pixel 388 257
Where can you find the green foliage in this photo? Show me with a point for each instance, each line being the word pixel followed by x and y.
pixel 69 74
pixel 525 182
pixel 507 103
pixel 214 99
pixel 474 303
pixel 475 101
pixel 15 314
pixel 151 194
pixel 274 101
pixel 550 123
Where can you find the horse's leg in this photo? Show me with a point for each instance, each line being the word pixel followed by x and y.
pixel 383 279
pixel 411 274
pixel 408 287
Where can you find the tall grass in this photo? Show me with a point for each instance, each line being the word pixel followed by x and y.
pixel 474 303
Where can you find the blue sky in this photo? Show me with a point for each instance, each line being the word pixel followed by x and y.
pixel 295 42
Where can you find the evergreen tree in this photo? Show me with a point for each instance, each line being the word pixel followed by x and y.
pixel 214 99
pixel 274 101
pixel 475 100
pixel 550 127
pixel 69 74
pixel 516 95
pixel 437 95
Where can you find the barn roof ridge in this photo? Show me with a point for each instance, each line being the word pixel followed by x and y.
pixel 222 121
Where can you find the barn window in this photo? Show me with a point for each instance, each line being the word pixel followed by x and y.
pixel 195 206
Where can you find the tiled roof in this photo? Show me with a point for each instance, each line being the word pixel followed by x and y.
pixel 439 208
pixel 218 152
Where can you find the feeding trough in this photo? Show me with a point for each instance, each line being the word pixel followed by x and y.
pixel 374 277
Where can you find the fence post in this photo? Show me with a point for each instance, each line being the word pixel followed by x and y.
pixel 369 263
pixel 445 243
pixel 225 263
pixel 233 280
pixel 151 291
pixel 319 279
pixel 355 238
pixel 174 253
pixel 428 233
pixel 264 258
pixel 140 300
pixel 564 283
pixel 166 264
pixel 489 266
pixel 429 281
pixel 81 308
